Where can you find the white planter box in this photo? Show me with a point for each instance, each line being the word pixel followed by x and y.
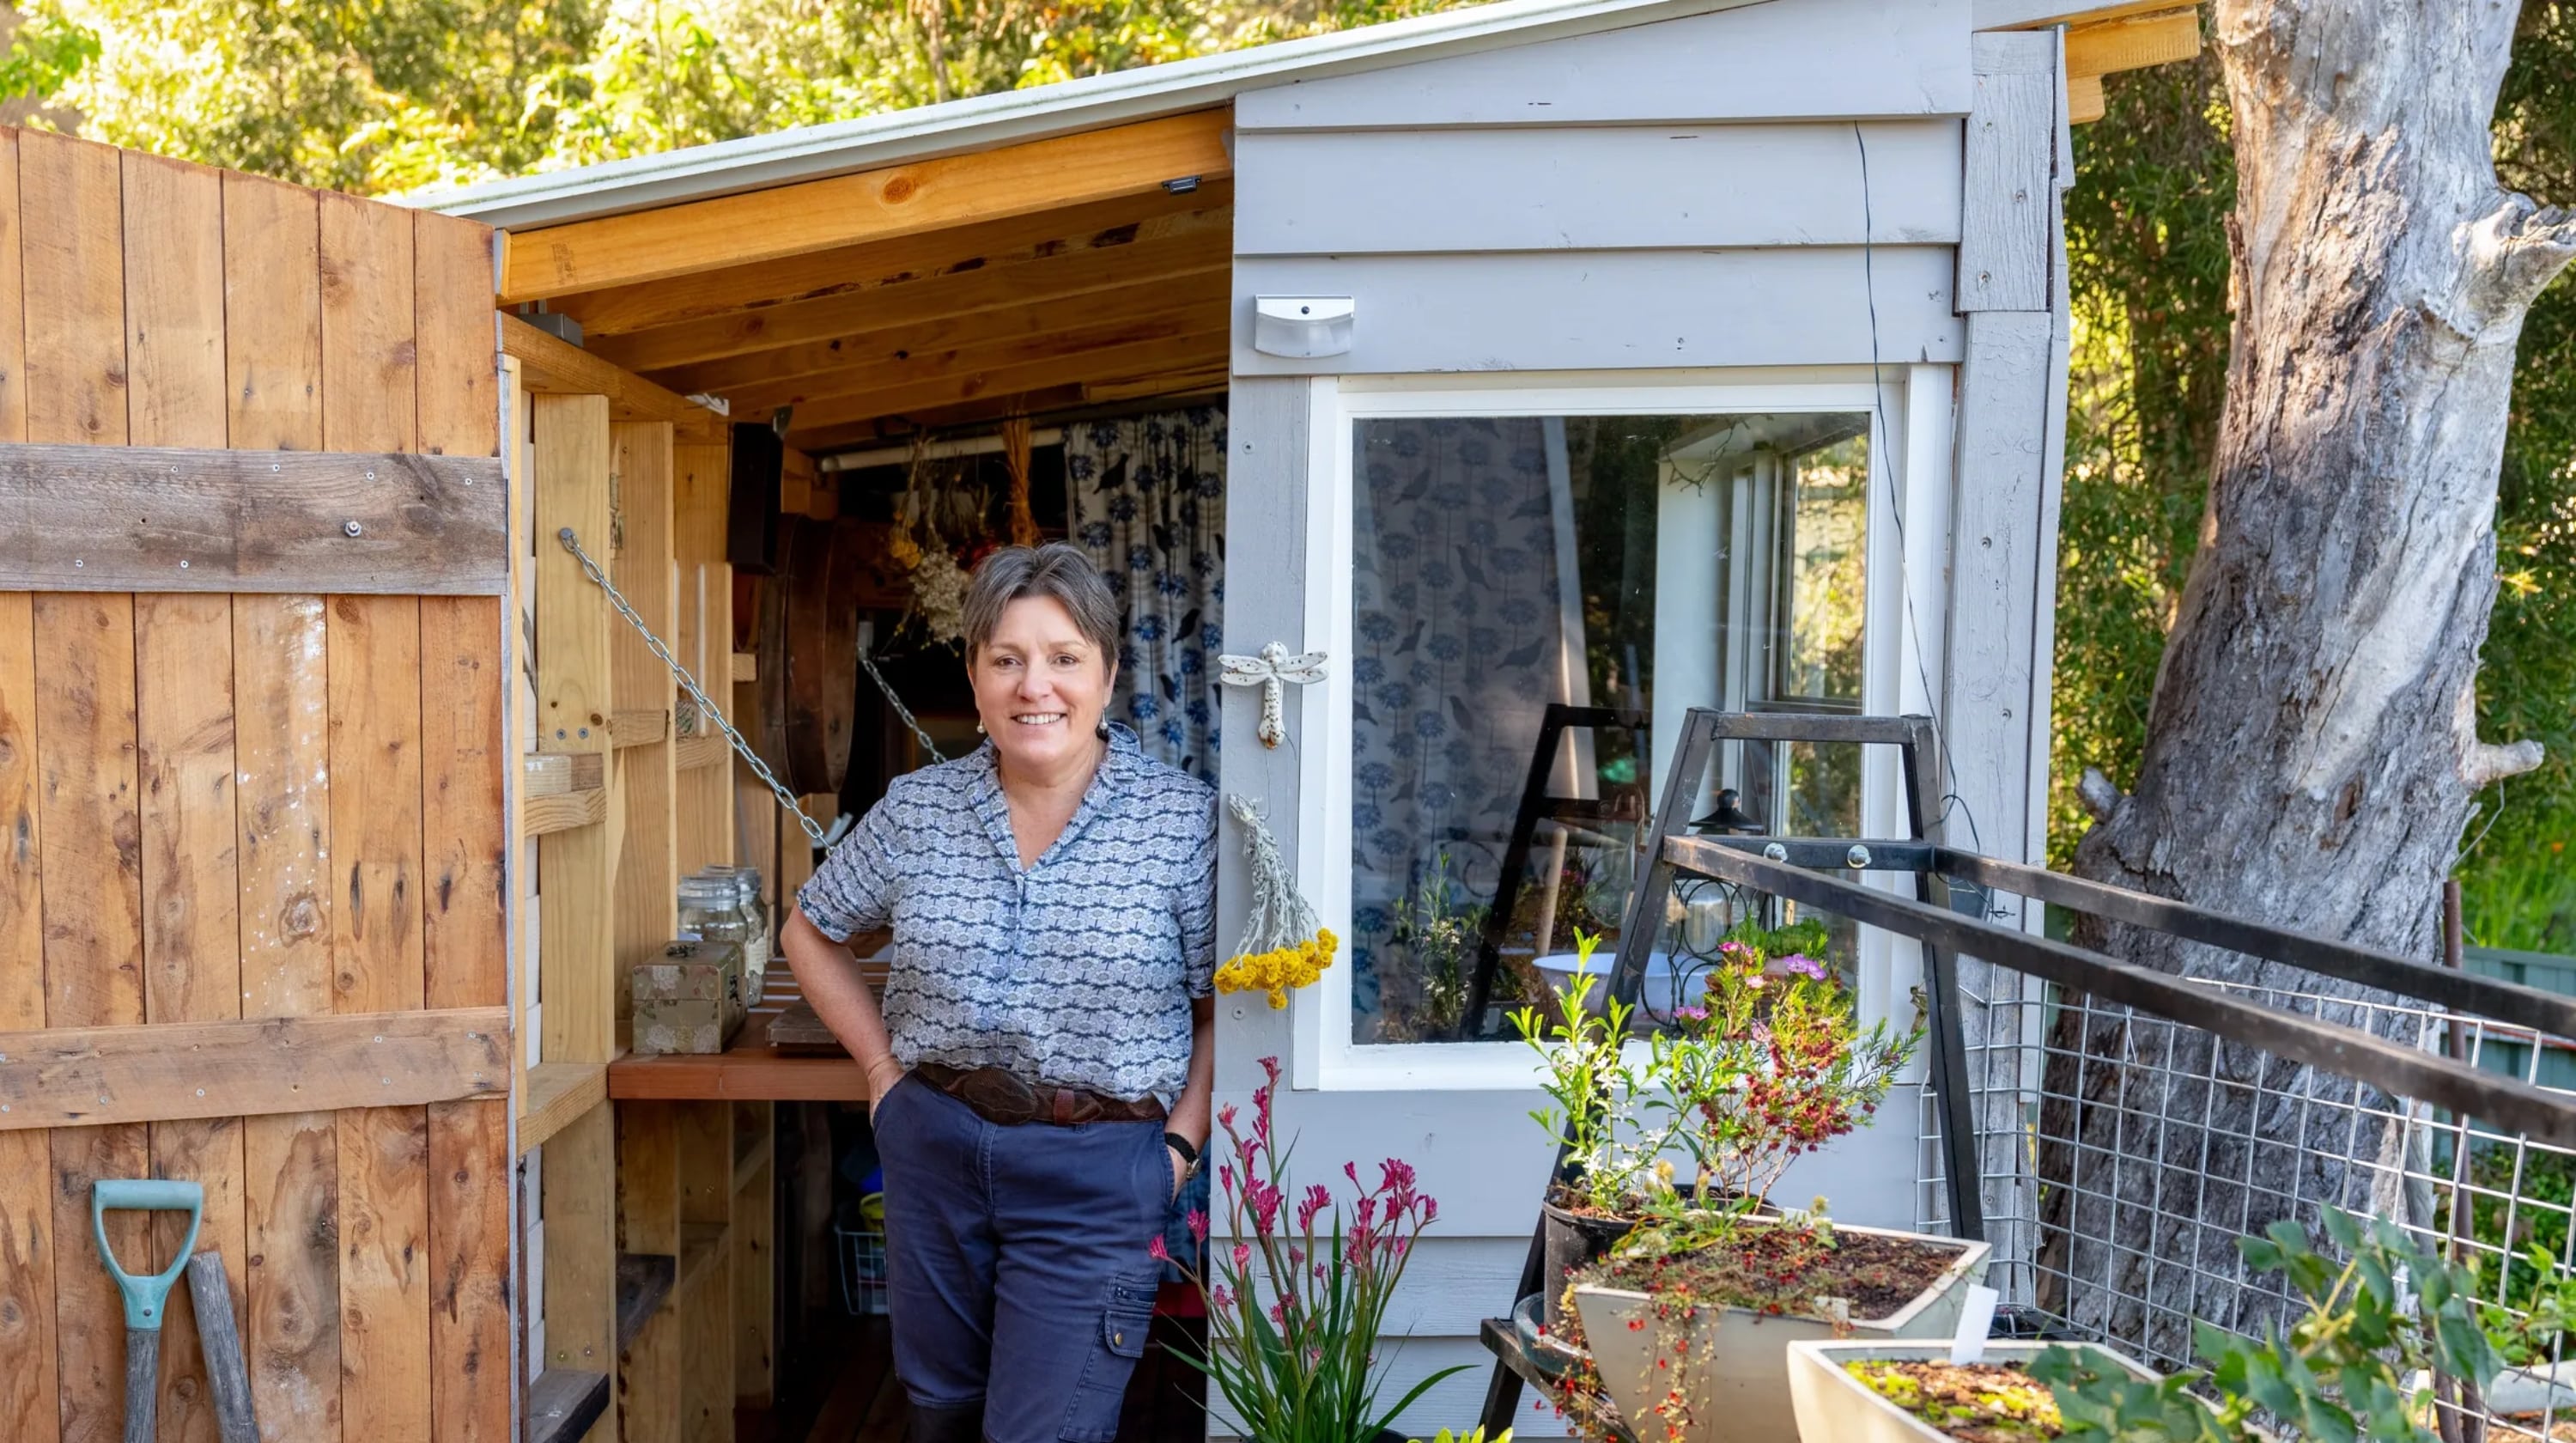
pixel 1834 1407
pixel 1734 1370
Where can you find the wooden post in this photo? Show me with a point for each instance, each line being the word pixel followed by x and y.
pixel 647 858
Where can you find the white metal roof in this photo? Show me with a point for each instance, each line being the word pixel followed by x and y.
pixel 981 122
pixel 984 121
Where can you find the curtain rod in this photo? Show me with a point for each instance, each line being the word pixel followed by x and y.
pixel 991 442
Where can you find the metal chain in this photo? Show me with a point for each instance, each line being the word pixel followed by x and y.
pixel 900 709
pixel 707 709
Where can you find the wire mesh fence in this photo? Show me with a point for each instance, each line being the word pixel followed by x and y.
pixel 2122 1155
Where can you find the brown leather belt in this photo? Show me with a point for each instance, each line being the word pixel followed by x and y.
pixel 1007 1100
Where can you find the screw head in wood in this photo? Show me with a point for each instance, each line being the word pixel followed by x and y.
pixel 1858 858
pixel 183 566
pixel 352 528
pixel 1775 852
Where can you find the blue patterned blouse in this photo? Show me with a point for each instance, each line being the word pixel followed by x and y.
pixel 1076 972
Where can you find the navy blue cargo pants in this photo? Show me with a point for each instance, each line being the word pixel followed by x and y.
pixel 1020 1280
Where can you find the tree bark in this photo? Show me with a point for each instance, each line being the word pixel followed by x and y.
pixel 2311 754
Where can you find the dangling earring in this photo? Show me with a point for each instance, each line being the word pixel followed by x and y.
pixel 979 729
pixel 1102 730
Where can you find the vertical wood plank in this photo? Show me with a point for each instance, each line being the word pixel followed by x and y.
pixel 174 303
pixel 281 722
pixel 754 1278
pixel 13 299
pixel 581 1251
pixel 370 403
pixel 174 344
pixel 705 1300
pixel 74 268
pixel 191 932
pixel 2005 258
pixel 378 965
pixel 457 343
pixel 27 1363
pixel 466 747
pixel 579 866
pixel 89 824
pixel 701 481
pixel 272 315
pixel 281 681
pixel 648 1223
pixel 648 854
pixel 469 1220
pixel 368 354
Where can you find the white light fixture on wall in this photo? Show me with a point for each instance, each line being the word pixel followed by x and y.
pixel 1302 327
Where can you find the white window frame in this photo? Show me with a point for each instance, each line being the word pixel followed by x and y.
pixel 1911 429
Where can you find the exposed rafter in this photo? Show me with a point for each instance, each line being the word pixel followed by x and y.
pixel 902 200
pixel 842 364
pixel 1055 270
pixel 826 422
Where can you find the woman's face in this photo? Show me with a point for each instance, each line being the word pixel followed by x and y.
pixel 1040 685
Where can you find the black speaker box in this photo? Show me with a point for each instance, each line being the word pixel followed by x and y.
pixel 751 529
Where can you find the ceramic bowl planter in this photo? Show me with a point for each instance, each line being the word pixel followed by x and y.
pixel 1730 1365
pixel 1834 1407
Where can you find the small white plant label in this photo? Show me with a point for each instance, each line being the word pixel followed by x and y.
pixel 1976 1319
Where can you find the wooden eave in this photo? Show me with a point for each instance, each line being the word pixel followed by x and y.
pixel 975 286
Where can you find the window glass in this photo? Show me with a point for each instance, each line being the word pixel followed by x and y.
pixel 1613 569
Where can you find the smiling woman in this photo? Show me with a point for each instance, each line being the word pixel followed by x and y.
pixel 1044 1056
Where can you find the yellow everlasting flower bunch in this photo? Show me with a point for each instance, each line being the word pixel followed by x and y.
pixel 1281 969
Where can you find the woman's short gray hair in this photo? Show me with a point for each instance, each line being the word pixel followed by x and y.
pixel 1059 571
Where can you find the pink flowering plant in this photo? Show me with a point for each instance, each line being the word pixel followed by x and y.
pixel 1782 1029
pixel 1296 1297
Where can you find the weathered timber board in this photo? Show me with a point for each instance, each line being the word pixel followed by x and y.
pixel 97 518
pixel 95 1075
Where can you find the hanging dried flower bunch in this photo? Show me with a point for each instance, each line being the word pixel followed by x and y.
pixel 930 520
pixel 1284 946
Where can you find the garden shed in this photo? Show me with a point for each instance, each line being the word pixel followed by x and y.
pixel 1624 356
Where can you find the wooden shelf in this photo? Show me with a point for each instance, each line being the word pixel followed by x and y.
pixel 557 1094
pixel 750 1070
pixel 563 1403
pixel 644 1281
pixel 746 666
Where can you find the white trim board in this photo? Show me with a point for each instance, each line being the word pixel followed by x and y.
pixel 1909 468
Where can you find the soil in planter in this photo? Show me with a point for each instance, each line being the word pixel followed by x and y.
pixel 1971 1402
pixel 1783 1270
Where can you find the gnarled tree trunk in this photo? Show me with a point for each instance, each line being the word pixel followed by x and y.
pixel 2310 754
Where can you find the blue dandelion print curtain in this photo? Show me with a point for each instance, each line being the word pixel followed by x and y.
pixel 1148 496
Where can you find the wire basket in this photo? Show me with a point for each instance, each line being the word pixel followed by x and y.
pixel 861 1244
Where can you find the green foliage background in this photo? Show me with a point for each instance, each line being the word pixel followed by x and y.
pixel 2148 266
pixel 385 96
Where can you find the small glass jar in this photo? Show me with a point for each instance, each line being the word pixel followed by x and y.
pixel 711 911
pixel 755 945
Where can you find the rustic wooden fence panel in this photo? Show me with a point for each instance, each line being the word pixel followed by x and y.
pixel 217 808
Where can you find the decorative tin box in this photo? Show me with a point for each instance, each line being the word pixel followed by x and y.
pixel 689 999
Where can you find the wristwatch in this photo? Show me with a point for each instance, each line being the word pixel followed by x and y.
pixel 1189 1154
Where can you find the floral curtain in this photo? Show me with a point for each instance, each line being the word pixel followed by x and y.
pixel 1459 605
pixel 1148 498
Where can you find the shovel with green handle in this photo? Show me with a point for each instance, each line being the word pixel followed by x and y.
pixel 146 1298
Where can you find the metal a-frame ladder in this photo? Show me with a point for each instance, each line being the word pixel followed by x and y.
pixel 1702 731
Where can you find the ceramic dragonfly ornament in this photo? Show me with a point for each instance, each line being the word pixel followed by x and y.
pixel 1270 670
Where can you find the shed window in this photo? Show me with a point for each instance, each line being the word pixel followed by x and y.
pixel 1640 563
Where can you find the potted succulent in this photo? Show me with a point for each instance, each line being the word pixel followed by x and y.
pixel 1687 1319
pixel 1295 1300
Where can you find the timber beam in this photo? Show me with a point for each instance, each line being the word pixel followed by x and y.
pixel 552 366
pixel 901 200
pixel 169 1071
pixel 131 518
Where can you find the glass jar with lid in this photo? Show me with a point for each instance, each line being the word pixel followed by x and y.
pixel 755 945
pixel 711 911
